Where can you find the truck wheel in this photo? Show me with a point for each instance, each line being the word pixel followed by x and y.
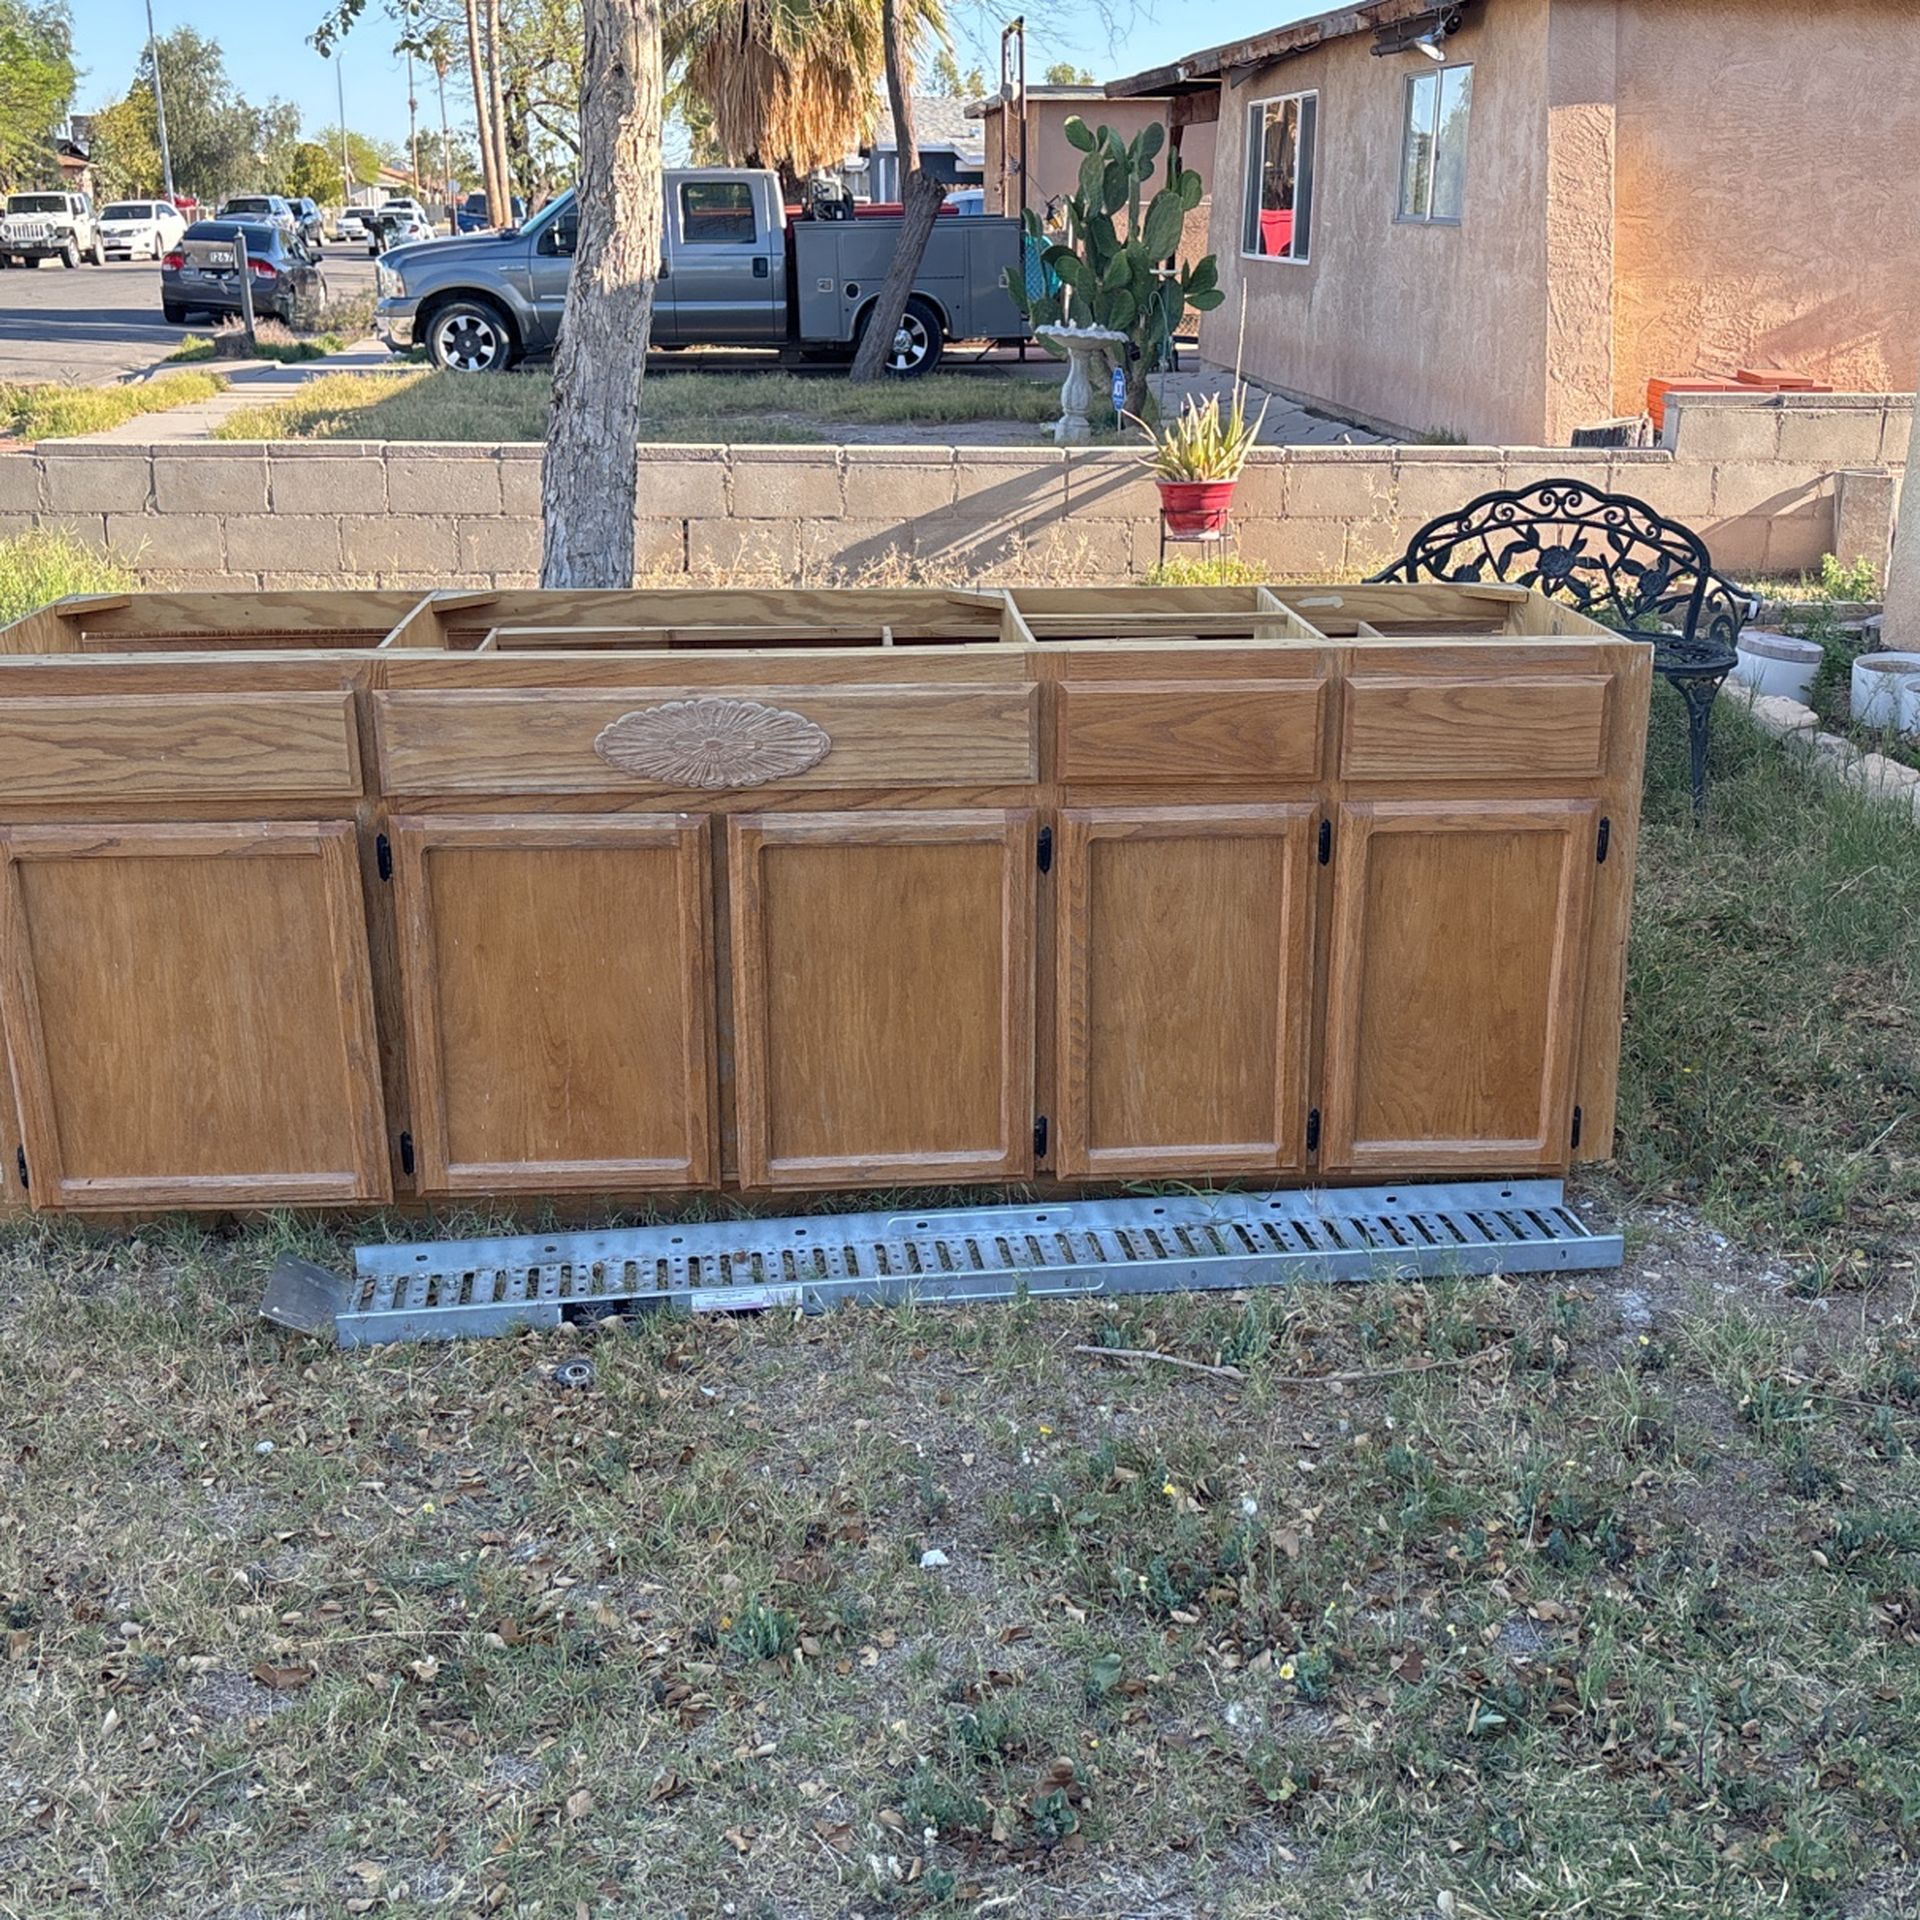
pixel 469 336
pixel 174 316
pixel 99 254
pixel 918 341
pixel 70 254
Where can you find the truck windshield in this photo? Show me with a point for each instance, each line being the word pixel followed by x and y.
pixel 36 203
pixel 562 202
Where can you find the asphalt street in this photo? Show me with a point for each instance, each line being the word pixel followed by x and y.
pixel 92 324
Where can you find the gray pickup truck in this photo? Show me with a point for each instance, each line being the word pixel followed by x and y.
pixel 737 272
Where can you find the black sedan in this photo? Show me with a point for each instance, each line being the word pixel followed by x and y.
pixel 202 273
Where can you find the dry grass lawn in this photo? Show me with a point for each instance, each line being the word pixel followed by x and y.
pixel 1492 1600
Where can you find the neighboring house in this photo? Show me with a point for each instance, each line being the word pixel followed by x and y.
pixel 1499 218
pixel 1052 165
pixel 950 149
pixel 76 164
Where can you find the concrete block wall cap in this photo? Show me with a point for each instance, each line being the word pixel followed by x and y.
pixel 779 453
pixel 667 450
pixel 1780 646
pixel 1333 456
pixel 1454 456
pixel 1007 456
pixel 1572 459
pixel 307 449
pixel 96 450
pixel 864 455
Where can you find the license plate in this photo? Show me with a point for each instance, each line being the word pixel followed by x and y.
pixel 219 257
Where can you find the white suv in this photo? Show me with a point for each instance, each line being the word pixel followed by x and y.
pixel 49 226
pixel 129 228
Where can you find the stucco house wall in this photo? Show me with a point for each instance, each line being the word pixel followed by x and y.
pixel 1768 189
pixel 1425 327
pixel 1677 187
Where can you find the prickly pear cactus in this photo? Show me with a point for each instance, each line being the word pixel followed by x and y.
pixel 1101 276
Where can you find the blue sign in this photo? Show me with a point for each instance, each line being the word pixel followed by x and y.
pixel 1119 389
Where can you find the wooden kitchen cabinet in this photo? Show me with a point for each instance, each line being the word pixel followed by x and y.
pixel 1455 972
pixel 883 995
pixel 189 1011
pixel 1184 969
pixel 558 983
pixel 653 892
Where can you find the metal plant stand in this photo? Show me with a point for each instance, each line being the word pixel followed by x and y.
pixel 1067 1249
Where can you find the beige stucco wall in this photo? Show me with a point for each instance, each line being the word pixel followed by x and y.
pixel 1768 189
pixel 1414 326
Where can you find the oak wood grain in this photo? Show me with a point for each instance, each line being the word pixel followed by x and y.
pixel 1181 731
pixel 189 1012
pixel 1460 728
pixel 1454 984
pixel 153 746
pixel 1184 949
pixel 506 741
pixel 558 976
pixel 882 996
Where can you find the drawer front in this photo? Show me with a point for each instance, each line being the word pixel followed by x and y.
pixel 1544 727
pixel 1182 730
pixel 704 739
pixel 163 746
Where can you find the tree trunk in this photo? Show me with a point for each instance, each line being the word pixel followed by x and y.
pixel 921 197
pixel 589 483
pixel 489 172
pixel 497 112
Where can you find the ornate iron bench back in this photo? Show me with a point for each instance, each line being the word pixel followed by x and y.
pixel 1608 555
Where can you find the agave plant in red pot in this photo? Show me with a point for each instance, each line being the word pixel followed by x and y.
pixel 1197 457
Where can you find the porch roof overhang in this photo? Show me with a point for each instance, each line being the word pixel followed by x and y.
pixel 1206 70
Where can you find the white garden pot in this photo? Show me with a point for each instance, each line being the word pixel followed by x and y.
pixel 1909 684
pixel 1778 664
pixel 1880 683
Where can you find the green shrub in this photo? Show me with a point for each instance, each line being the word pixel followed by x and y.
pixel 36 568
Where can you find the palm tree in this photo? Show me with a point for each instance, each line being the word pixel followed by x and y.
pixel 790 84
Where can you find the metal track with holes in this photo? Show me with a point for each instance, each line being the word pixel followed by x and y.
pixel 1083 1247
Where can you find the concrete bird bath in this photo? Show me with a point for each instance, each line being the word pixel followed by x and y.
pixel 1080 345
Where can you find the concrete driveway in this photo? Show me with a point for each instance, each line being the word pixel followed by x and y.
pixel 94 324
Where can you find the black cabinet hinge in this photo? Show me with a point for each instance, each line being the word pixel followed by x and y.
pixel 1313 1131
pixel 20 1162
pixel 1602 840
pixel 1576 1126
pixel 383 855
pixel 1040 1137
pixel 406 1153
pixel 1043 850
pixel 1326 841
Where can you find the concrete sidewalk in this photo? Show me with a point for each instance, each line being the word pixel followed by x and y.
pixel 251 383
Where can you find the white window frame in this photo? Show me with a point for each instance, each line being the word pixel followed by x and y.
pixel 1247 193
pixel 1402 218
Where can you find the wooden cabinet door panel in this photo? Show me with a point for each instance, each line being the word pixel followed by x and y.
pixel 558 978
pixel 189 1011
pixel 1458 957
pixel 1184 956
pixel 883 996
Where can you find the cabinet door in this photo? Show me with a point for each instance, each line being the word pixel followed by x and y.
pixel 190 1014
pixel 883 996
pixel 1185 989
pixel 559 1000
pixel 1459 951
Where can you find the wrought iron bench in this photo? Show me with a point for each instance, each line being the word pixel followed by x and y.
pixel 1611 557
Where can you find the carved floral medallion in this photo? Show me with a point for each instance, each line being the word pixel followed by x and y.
pixel 712 743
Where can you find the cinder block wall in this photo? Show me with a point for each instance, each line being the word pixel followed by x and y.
pixel 1771 484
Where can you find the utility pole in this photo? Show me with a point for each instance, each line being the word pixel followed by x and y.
pixel 413 105
pixel 159 108
pixel 346 166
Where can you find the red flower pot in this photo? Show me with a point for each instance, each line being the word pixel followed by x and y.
pixel 1195 506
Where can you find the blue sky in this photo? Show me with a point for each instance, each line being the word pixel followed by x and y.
pixel 267 53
